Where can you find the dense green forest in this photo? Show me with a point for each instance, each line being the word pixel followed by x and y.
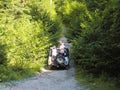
pixel 29 27
pixel 93 27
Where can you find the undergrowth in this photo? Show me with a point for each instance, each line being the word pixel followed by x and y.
pixel 102 82
pixel 8 73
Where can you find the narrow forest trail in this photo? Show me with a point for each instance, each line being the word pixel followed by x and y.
pixel 48 80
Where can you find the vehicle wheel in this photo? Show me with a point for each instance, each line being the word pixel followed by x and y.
pixel 60 60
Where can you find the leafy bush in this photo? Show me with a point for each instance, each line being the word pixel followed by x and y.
pixel 3 57
pixel 93 28
pixel 26 33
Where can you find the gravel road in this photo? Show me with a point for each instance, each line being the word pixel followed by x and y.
pixel 47 80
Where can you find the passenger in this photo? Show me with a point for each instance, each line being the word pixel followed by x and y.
pixel 54 52
pixel 62 45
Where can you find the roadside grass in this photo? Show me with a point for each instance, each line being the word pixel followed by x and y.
pixel 96 83
pixel 9 73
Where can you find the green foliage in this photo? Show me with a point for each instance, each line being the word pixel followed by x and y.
pixel 93 27
pixel 96 83
pixel 3 57
pixel 73 15
pixel 27 30
pixel 8 73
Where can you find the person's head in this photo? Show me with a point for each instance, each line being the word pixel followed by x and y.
pixel 62 43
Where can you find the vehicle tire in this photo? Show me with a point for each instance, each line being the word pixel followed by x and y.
pixel 60 60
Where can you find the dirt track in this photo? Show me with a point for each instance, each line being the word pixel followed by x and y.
pixel 47 80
